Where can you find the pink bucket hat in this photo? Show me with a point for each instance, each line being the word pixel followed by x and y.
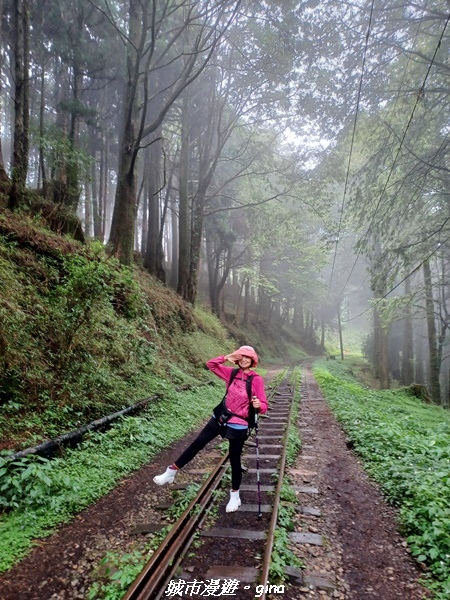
pixel 250 352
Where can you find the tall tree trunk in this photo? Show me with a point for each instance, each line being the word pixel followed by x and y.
pixel 408 341
pixel 145 182
pixel 184 210
pixel 447 400
pixel 238 300
pixel 196 241
pixel 21 103
pixel 419 336
pixel 58 188
pixel 236 288
pixel 124 214
pixel 298 320
pixel 174 264
pixel 380 332
pixel 207 160
pixel 95 201
pixel 322 334
pixel 212 275
pixel 226 271
pixel 154 253
pixel 164 247
pixel 73 192
pixel 87 209
pixel 101 188
pixel 42 169
pixel 106 192
pixel 341 342
pixel 4 179
pixel 381 355
pixel 434 368
pixel 245 318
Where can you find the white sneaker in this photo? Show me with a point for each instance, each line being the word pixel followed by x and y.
pixel 167 477
pixel 234 502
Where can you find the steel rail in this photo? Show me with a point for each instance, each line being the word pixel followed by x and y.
pixel 264 577
pixel 166 558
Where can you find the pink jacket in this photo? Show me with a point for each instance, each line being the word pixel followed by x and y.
pixel 237 399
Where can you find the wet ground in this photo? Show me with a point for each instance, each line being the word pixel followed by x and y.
pixel 362 555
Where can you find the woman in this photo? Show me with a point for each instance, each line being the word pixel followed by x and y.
pixel 236 428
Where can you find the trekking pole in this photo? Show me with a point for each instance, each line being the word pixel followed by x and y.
pixel 257 465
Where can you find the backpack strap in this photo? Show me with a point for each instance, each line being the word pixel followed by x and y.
pixel 234 372
pixel 251 419
pixel 248 385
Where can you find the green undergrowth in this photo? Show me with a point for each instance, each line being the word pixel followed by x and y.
pixel 38 494
pixel 294 441
pixel 117 571
pixel 282 555
pixel 405 446
pixel 354 369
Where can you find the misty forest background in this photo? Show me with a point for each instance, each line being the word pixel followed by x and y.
pixel 285 162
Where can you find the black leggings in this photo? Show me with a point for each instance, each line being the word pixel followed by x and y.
pixel 236 437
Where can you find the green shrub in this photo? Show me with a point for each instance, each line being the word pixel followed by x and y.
pixel 31 482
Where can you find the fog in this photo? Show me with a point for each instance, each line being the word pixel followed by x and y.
pixel 285 163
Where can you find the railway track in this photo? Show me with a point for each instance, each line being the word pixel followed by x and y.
pixel 248 533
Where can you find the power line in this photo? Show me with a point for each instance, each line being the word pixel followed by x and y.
pixel 347 175
pixel 418 99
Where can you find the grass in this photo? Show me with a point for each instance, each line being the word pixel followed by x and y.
pixel 353 368
pixel 294 443
pixel 405 446
pixel 60 488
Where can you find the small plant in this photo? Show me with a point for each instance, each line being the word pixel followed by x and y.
pixel 182 501
pixel 30 482
pixel 118 573
pixel 294 442
pixel 282 556
pixel 287 492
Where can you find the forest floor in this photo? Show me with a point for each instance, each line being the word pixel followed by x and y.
pixel 362 557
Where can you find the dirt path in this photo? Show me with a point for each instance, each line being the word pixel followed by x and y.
pixel 362 555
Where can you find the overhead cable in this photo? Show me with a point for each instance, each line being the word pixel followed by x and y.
pixel 400 282
pixel 418 99
pixel 347 175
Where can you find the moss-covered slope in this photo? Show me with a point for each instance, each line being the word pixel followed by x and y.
pixel 82 336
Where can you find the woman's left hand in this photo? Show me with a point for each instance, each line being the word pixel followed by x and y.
pixel 256 403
